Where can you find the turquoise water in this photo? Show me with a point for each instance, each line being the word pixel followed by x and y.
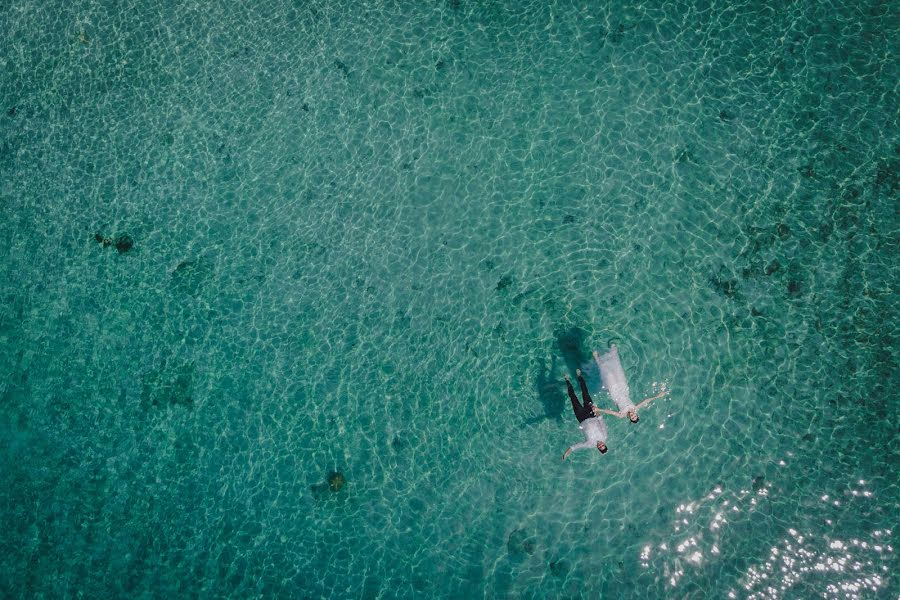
pixel 369 238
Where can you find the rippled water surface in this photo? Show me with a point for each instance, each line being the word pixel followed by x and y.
pixel 287 292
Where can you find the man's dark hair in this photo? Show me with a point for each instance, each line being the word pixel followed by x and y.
pixel 603 449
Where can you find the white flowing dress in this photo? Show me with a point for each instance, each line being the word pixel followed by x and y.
pixel 614 381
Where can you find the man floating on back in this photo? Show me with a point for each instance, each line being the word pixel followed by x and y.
pixel 588 416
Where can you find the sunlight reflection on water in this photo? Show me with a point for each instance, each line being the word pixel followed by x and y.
pixel 839 568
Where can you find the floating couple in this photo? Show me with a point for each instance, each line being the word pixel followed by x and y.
pixel 590 417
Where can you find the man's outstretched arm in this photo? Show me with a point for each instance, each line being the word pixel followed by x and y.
pixel 581 446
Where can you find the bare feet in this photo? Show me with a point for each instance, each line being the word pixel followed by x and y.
pixel 596 355
pixel 578 372
pixel 566 376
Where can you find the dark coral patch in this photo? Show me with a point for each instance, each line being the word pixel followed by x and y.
pixel 559 568
pixel 725 287
pixel 684 156
pixel 504 282
pixel 783 231
pixel 336 481
pixel 124 243
pixel 773 267
pixel 617 34
pixel 887 177
pixel 343 68
pixel 851 193
pixel 520 543
pixel 190 276
pixel 759 482
pixel 794 288
pixel 170 385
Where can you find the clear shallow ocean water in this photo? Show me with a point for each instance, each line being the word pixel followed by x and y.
pixel 371 237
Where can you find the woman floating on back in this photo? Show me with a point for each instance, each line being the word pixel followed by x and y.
pixel 614 379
